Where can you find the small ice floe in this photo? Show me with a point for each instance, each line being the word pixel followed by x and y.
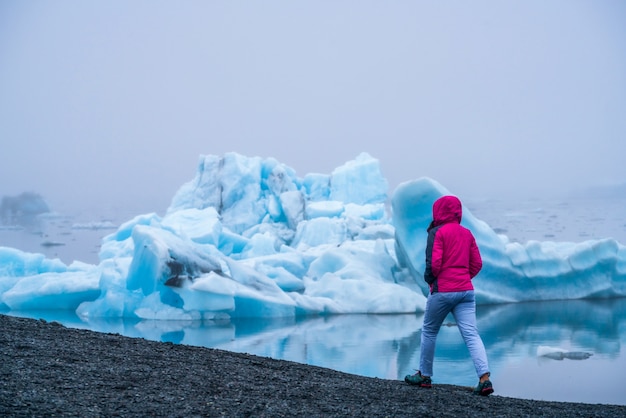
pixel 52 244
pixel 95 225
pixel 11 227
pixel 556 353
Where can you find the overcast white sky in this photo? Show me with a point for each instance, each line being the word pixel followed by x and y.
pixel 110 103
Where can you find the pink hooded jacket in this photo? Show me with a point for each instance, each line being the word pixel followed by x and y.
pixel 452 256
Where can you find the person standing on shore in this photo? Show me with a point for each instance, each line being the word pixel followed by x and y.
pixel 452 261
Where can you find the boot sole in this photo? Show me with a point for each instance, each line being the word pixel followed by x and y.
pixel 421 385
pixel 486 392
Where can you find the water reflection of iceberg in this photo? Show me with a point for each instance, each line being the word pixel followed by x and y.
pixel 595 325
pixel 387 346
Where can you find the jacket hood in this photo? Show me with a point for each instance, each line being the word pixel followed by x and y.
pixel 447 209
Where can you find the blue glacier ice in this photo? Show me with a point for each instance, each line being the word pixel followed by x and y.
pixel 246 237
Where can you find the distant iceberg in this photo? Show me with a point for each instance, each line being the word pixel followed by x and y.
pixel 248 238
pixel 95 225
pixel 22 209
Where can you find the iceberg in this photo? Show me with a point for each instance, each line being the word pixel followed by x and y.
pixel 247 237
pixel 512 272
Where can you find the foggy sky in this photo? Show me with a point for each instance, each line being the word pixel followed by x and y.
pixel 110 103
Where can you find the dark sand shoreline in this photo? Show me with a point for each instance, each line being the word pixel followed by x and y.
pixel 49 370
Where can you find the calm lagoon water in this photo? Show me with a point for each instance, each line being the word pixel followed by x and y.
pixel 584 340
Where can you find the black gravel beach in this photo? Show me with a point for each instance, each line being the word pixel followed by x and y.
pixel 49 370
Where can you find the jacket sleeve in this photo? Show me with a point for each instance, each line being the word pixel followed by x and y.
pixel 428 272
pixel 475 260
pixel 437 255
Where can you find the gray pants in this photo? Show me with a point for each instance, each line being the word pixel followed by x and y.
pixel 462 305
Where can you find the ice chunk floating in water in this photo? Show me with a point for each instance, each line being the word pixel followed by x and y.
pixel 248 238
pixel 556 353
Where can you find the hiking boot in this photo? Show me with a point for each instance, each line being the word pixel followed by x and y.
pixel 484 389
pixel 418 380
